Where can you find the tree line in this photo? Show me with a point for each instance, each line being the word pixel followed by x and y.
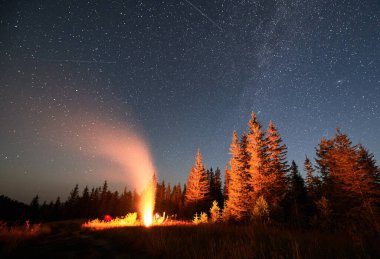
pixel 341 189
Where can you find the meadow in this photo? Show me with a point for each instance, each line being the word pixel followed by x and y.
pixel 67 239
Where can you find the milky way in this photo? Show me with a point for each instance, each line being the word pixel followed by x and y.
pixel 183 74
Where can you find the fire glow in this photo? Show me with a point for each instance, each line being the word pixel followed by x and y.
pixel 146 207
pixel 147 201
pixel 130 220
pixel 128 150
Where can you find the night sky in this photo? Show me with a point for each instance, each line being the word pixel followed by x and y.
pixel 181 74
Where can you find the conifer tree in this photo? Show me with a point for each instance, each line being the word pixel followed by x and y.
pixel 85 202
pixel 35 208
pixel 259 179
pixel 244 156
pixel 349 183
pixel 298 196
pixel 57 209
pixel 312 182
pixel 226 181
pixel 276 166
pixel 72 202
pixel 322 161
pixel 198 188
pixel 368 184
pixel 313 189
pixel 217 188
pixel 215 212
pixel 177 199
pixel 237 206
pixel 210 175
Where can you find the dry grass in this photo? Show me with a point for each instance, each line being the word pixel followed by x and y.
pixel 13 236
pixel 225 241
pixel 130 220
pixel 68 240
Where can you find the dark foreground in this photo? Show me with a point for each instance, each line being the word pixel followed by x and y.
pixel 68 240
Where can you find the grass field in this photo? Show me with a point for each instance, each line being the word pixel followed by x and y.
pixel 69 240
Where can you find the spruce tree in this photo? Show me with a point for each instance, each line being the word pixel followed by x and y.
pixel 349 182
pixel 237 207
pixel 198 188
pixel 276 166
pixel 259 179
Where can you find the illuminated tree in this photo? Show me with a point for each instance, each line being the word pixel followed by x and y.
pixel 323 165
pixel 349 181
pixel 259 179
pixel 237 204
pixel 215 212
pixel 198 188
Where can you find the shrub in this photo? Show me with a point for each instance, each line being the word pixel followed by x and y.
pixel 196 219
pixel 204 217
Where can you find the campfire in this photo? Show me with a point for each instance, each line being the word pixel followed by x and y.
pixel 146 216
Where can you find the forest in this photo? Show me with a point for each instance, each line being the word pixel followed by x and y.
pixel 341 190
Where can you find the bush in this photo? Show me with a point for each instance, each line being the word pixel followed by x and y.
pixel 202 218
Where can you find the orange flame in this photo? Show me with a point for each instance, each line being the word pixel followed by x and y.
pixel 147 203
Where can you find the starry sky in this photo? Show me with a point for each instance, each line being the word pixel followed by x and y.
pixel 183 75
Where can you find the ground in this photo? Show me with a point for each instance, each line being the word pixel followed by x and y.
pixel 68 240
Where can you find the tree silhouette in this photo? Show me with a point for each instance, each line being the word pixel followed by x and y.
pixel 276 166
pixel 298 197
